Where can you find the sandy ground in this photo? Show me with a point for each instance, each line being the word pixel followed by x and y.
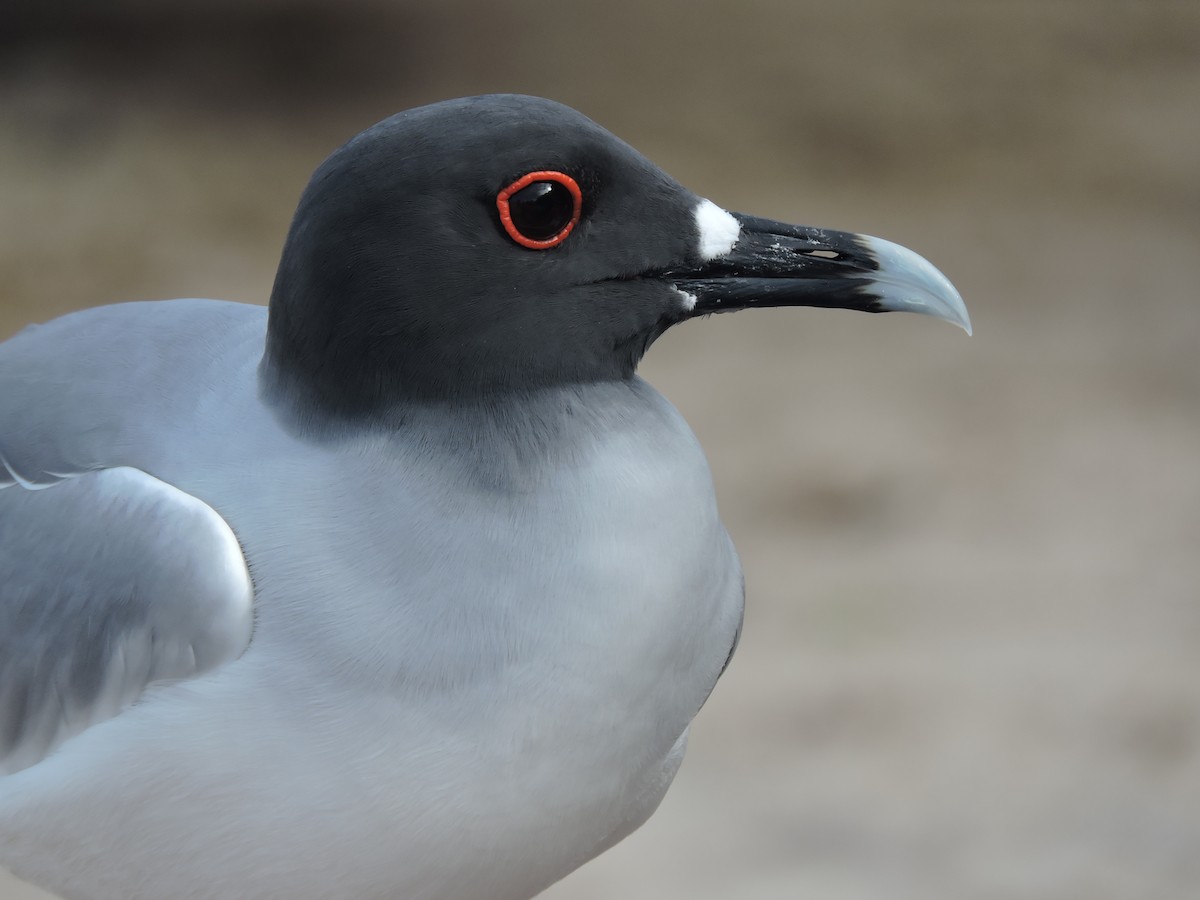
pixel 971 663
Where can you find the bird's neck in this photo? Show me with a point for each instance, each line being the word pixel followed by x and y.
pixel 510 430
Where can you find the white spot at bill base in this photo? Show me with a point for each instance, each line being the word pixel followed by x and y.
pixel 719 231
pixel 689 300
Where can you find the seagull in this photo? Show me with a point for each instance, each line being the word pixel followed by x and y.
pixel 405 586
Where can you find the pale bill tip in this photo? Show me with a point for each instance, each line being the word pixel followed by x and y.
pixel 907 282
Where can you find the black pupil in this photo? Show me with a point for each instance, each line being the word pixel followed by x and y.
pixel 541 210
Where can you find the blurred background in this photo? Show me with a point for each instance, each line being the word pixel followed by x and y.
pixel 971 660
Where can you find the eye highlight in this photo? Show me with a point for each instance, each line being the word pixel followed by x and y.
pixel 540 209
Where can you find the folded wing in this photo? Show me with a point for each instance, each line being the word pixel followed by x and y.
pixel 110 581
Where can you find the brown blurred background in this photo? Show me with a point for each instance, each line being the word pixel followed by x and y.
pixel 971 663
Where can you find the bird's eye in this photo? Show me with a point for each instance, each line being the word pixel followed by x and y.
pixel 539 210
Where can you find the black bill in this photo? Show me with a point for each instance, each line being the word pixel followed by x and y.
pixel 776 264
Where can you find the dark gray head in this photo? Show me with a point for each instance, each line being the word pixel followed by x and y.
pixel 426 262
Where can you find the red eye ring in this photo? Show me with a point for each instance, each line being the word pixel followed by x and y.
pixel 523 182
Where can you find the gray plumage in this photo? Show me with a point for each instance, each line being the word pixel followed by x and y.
pixel 109 581
pixel 410 587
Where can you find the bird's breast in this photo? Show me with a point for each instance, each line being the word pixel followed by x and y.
pixel 562 635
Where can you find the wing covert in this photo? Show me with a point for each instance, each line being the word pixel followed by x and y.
pixel 109 581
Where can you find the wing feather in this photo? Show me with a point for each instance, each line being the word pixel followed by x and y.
pixel 110 581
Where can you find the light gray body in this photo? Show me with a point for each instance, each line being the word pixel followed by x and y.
pixel 478 640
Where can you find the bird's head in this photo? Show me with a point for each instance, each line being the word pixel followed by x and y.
pixel 505 243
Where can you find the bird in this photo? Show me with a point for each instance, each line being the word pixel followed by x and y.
pixel 405 585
